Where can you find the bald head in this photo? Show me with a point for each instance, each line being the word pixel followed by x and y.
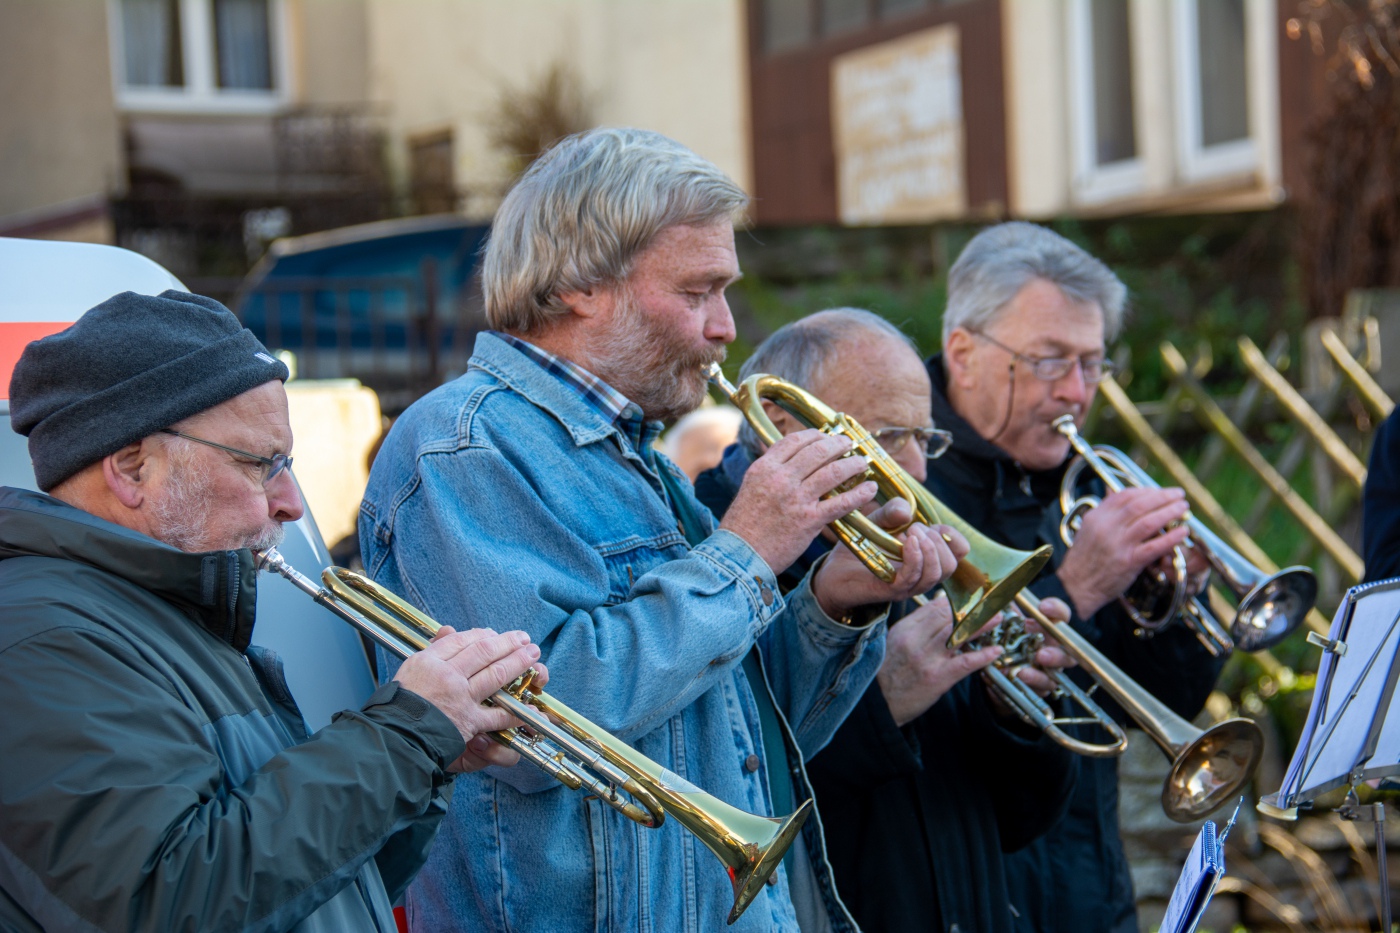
pixel 857 363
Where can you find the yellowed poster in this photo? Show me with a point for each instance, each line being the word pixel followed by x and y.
pixel 897 119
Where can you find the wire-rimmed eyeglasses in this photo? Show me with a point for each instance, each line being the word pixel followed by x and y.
pixel 268 467
pixel 1095 369
pixel 934 441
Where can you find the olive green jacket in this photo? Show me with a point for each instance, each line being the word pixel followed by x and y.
pixel 154 771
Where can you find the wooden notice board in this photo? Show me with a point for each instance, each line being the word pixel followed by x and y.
pixel 897 123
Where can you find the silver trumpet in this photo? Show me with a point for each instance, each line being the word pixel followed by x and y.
pixel 1270 606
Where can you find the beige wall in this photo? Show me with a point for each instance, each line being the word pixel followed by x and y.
pixel 675 66
pixel 60 144
pixel 1045 177
pixel 330 59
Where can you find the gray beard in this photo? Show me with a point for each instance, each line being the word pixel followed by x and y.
pixel 181 512
pixel 636 360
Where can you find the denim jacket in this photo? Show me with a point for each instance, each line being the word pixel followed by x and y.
pixel 502 499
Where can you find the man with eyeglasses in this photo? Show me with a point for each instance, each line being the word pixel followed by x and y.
pixel 1024 337
pixel 155 773
pixel 923 786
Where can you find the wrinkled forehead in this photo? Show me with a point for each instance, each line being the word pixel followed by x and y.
pixel 1043 320
pixel 878 379
pixel 259 417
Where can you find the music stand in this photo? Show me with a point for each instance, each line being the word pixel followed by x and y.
pixel 1350 735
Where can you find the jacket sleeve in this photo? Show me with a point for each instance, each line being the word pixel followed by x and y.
pixel 120 809
pixel 676 624
pixel 1029 777
pixel 868 749
pixel 819 668
pixel 1380 505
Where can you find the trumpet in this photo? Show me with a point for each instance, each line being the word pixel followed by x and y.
pixel 1270 606
pixel 1208 766
pixel 976 592
pixel 568 747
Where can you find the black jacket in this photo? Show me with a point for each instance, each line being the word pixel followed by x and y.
pixel 916 819
pixel 154 770
pixel 1380 504
pixel 1075 878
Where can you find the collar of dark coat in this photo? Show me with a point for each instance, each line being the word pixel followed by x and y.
pixel 584 423
pixel 980 456
pixel 218 589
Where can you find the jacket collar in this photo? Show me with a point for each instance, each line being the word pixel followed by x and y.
pixel 218 589
pixel 585 423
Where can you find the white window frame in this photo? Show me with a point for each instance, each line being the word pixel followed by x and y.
pixel 1198 162
pixel 201 93
pixel 1094 183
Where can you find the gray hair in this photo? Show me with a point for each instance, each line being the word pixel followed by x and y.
pixel 583 211
pixel 1002 260
pixel 800 351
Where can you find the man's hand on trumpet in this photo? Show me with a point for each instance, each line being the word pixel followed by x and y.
pixel 459 670
pixel 931 553
pixel 779 508
pixel 919 668
pixel 1118 540
pixel 1050 657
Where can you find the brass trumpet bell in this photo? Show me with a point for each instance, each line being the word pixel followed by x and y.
pixel 568 747
pixel 976 591
pixel 1209 768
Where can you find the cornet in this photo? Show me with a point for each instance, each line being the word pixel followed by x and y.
pixel 976 592
pixel 1208 766
pixel 1270 606
pixel 566 745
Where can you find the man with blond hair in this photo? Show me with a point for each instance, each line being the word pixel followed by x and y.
pixel 530 489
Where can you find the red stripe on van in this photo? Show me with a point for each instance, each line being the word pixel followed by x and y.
pixel 14 337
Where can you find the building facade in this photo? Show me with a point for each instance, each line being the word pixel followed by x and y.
pixel 894 111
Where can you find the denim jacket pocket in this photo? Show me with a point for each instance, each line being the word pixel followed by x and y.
pixel 628 560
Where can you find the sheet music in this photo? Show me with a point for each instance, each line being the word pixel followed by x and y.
pixel 1204 867
pixel 1346 721
pixel 1195 884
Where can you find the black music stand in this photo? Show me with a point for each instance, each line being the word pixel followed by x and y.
pixel 1351 735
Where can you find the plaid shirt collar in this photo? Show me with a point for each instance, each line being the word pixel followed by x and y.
pixel 597 394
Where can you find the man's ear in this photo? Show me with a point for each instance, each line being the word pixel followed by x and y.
pixel 590 302
pixel 957 358
pixel 128 473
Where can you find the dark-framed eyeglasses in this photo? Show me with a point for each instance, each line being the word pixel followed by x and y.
pixel 1095 369
pixel 934 441
pixel 268 467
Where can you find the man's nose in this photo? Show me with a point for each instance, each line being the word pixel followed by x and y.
pixel 284 503
pixel 1072 386
pixel 719 323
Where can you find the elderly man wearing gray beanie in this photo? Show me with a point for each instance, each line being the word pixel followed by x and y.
pixel 154 771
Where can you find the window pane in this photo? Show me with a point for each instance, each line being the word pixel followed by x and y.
pixel 241 44
pixel 151 43
pixel 1224 107
pixel 786 23
pixel 843 15
pixel 895 7
pixel 1114 139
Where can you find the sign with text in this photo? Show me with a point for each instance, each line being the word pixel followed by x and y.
pixel 896 113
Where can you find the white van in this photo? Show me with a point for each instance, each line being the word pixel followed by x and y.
pixel 47 285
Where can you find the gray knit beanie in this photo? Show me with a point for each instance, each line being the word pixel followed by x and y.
pixel 129 367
